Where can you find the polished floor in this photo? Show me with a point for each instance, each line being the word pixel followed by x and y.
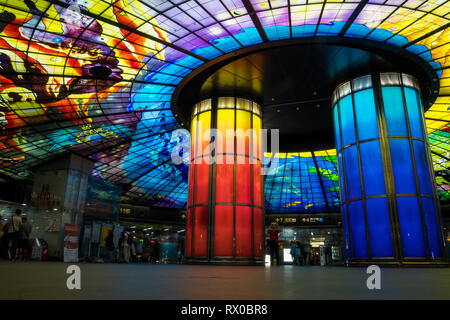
pixel 47 280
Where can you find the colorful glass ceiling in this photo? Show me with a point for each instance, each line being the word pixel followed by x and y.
pixel 96 78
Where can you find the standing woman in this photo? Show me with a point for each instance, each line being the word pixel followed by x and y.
pixel 109 244
pixel 298 252
pixel 274 230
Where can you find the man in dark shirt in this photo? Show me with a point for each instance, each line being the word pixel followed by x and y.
pixel 274 230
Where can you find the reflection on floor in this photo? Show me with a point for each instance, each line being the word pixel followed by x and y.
pixel 47 280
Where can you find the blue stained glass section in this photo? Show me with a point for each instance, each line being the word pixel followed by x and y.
pixel 372 168
pixel 341 177
pixel 352 173
pixel 379 228
pixel 394 111
pixel 429 213
pixel 347 237
pixel 423 173
pixel 402 166
pixel 414 113
pixel 366 116
pixel 411 227
pixel 337 134
pixel 347 120
pixel 358 226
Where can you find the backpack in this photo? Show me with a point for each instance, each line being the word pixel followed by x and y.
pixel 130 239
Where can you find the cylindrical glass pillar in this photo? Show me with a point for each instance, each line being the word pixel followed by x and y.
pixel 225 219
pixel 389 203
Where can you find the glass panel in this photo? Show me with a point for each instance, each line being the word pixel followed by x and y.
pixel 341 178
pixel 224 181
pixel 243 104
pixel 379 228
pixel 345 89
pixel 243 124
pixel 352 173
pixel 225 102
pixel 390 79
pixel 372 168
pixel 204 123
pixel 394 111
pixel 411 227
pixel 366 115
pixel 409 81
pixel 223 231
pixel 258 228
pixel 414 112
pixel 358 227
pixel 225 121
pixel 200 231
pixel 347 238
pixel 347 121
pixel 402 166
pixel 422 167
pixel 243 231
pixel 202 183
pixel 189 232
pixel 243 176
pixel 362 83
pixel 257 184
pixel 429 213
pixel 336 127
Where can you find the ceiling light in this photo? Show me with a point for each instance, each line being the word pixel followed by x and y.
pixel 215 31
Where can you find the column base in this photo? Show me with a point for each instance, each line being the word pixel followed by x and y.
pixel 411 263
pixel 227 261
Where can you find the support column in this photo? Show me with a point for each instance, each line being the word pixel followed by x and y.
pixel 389 201
pixel 225 221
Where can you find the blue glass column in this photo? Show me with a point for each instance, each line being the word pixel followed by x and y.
pixel 389 201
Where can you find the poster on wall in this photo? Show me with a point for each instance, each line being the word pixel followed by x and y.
pixel 53 225
pixel 70 242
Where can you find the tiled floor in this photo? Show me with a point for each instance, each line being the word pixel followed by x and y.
pixel 47 280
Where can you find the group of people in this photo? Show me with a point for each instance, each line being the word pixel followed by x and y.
pixel 14 237
pixel 300 253
pixel 128 249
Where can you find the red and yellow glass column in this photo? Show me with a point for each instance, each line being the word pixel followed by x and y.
pixel 225 222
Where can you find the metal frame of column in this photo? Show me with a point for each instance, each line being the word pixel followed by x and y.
pixel 210 257
pixel 390 192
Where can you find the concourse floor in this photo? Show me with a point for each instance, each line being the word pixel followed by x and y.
pixel 47 280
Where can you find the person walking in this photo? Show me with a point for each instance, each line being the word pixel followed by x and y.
pixel 292 252
pixel 25 230
pixel 274 230
pixel 3 238
pixel 306 254
pixel 14 233
pixel 128 241
pixel 298 253
pixel 109 244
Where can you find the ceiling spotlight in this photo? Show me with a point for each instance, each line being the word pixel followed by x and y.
pixel 318 105
pixel 298 108
pixel 278 110
pixel 215 31
pixel 314 93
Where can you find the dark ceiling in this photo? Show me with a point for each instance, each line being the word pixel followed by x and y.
pixel 294 85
